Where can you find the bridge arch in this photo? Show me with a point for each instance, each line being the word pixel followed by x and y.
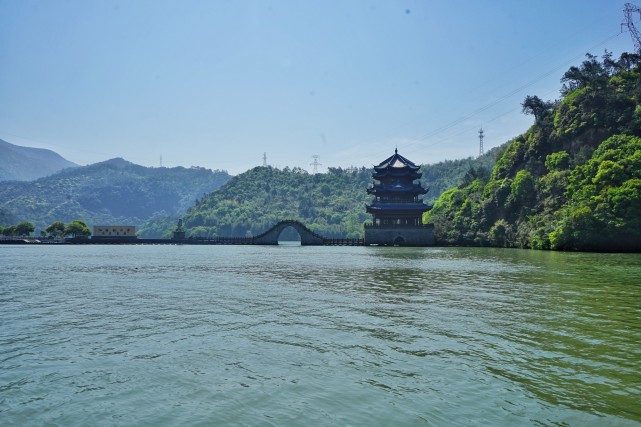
pixel 399 241
pixel 307 236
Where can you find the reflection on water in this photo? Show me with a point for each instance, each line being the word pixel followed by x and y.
pixel 314 335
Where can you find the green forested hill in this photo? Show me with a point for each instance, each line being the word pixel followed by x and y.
pixel 332 203
pixel 572 181
pixel 111 192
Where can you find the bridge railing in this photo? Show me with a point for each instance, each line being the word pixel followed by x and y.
pixel 370 225
pixel 343 242
pixel 223 240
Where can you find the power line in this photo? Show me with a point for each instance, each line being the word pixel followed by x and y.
pixel 468 128
pixel 497 76
pixel 502 98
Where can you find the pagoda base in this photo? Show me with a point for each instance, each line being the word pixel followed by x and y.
pixel 399 235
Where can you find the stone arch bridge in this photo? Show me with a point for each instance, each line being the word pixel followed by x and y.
pixel 307 236
pixel 270 237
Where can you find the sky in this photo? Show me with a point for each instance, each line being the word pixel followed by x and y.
pixel 218 84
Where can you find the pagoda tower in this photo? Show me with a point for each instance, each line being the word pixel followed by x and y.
pixel 396 209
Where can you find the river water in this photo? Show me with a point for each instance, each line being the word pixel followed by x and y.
pixel 323 336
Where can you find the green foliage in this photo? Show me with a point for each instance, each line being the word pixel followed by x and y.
pixel 511 158
pixel 571 117
pixel 455 216
pixel 158 226
pixel 77 228
pixel 604 195
pixel 572 181
pixel 56 229
pixel 522 188
pixel 25 228
pixel 557 161
pixel 9 230
pixel 536 106
pixel 501 233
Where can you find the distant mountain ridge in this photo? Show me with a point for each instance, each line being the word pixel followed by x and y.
pixel 112 192
pixel 27 164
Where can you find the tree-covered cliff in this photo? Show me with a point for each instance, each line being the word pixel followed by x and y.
pixel 572 181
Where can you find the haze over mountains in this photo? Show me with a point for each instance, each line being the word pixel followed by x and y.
pixel 26 163
pixel 112 192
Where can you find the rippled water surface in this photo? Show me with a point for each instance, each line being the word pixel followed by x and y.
pixel 242 335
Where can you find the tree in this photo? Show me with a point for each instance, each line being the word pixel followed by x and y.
pixel 56 229
pixel 9 231
pixel 77 229
pixel 557 161
pixel 24 228
pixel 536 106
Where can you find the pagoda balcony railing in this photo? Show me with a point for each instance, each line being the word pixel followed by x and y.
pixel 370 225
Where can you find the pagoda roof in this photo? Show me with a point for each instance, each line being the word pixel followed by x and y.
pixel 396 161
pixel 396 173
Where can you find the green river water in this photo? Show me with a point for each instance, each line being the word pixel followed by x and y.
pixel 323 336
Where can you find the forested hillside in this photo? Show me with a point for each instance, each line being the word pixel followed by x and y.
pixel 111 192
pixel 572 181
pixel 332 203
pixel 25 163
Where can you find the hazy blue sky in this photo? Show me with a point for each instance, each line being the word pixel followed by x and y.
pixel 217 83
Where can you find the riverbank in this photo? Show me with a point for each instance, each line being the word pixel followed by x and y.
pixel 139 241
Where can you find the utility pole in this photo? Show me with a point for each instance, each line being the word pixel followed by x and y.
pixel 315 163
pixel 265 159
pixel 480 142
